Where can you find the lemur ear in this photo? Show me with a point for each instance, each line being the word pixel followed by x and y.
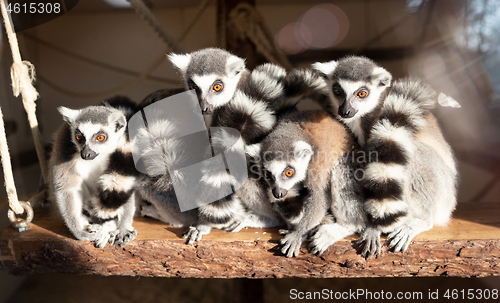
pixel 234 65
pixel 69 115
pixel 302 149
pixel 117 119
pixel 325 69
pixel 381 76
pixel 181 62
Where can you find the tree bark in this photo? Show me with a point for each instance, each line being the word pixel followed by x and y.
pixel 468 247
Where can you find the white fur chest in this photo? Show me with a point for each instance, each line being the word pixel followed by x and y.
pixel 91 170
pixel 354 125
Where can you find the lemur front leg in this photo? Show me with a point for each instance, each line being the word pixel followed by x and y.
pixel 315 206
pixel 401 237
pixel 195 233
pixel 226 214
pixel 117 190
pixel 126 232
pixel 325 234
pixel 70 204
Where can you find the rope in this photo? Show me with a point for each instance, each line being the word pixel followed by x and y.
pixel 22 74
pixel 146 14
pixel 244 17
pixel 133 82
pixel 10 186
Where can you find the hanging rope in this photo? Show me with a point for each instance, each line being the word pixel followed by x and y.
pixel 22 74
pixel 245 18
pixel 146 14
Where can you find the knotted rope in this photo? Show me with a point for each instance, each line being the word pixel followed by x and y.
pixel 22 74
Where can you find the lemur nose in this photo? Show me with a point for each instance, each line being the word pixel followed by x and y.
pixel 87 153
pixel 279 193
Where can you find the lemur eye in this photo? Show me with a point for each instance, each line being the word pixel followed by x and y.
pixel 268 175
pixel 217 87
pixel 78 138
pixel 289 172
pixel 362 94
pixel 101 138
pixel 337 92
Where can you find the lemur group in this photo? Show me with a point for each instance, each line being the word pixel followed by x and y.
pixel 373 161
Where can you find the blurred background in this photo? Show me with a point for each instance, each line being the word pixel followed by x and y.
pixel 101 48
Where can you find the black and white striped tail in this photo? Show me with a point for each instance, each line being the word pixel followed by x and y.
pixel 118 182
pixel 392 140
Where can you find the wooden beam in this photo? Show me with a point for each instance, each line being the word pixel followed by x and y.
pixel 468 247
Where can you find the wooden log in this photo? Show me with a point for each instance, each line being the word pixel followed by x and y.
pixel 468 247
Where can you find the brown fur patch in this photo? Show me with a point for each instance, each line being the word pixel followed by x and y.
pixel 331 140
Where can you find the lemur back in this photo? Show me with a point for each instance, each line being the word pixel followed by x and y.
pixel 309 167
pixel 92 176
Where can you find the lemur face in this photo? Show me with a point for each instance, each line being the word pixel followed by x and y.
pixel 355 98
pixel 284 171
pixel 356 84
pixel 213 91
pixel 96 130
pixel 213 73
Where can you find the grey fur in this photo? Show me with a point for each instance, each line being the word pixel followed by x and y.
pixel 413 185
pixel 83 191
pixel 323 178
pixel 354 68
pixel 429 186
pixel 208 61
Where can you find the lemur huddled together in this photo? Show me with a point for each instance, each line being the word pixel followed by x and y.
pixel 373 161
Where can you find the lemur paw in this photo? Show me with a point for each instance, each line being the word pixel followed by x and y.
pixel 291 243
pixel 400 238
pixel 89 232
pixel 370 239
pixel 235 227
pixel 196 233
pixel 112 236
pixel 321 239
pixel 101 241
pixel 123 237
pixel 93 228
pixel 284 231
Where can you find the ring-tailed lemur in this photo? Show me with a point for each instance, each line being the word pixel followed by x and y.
pixel 92 175
pixel 412 186
pixel 308 162
pixel 247 101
